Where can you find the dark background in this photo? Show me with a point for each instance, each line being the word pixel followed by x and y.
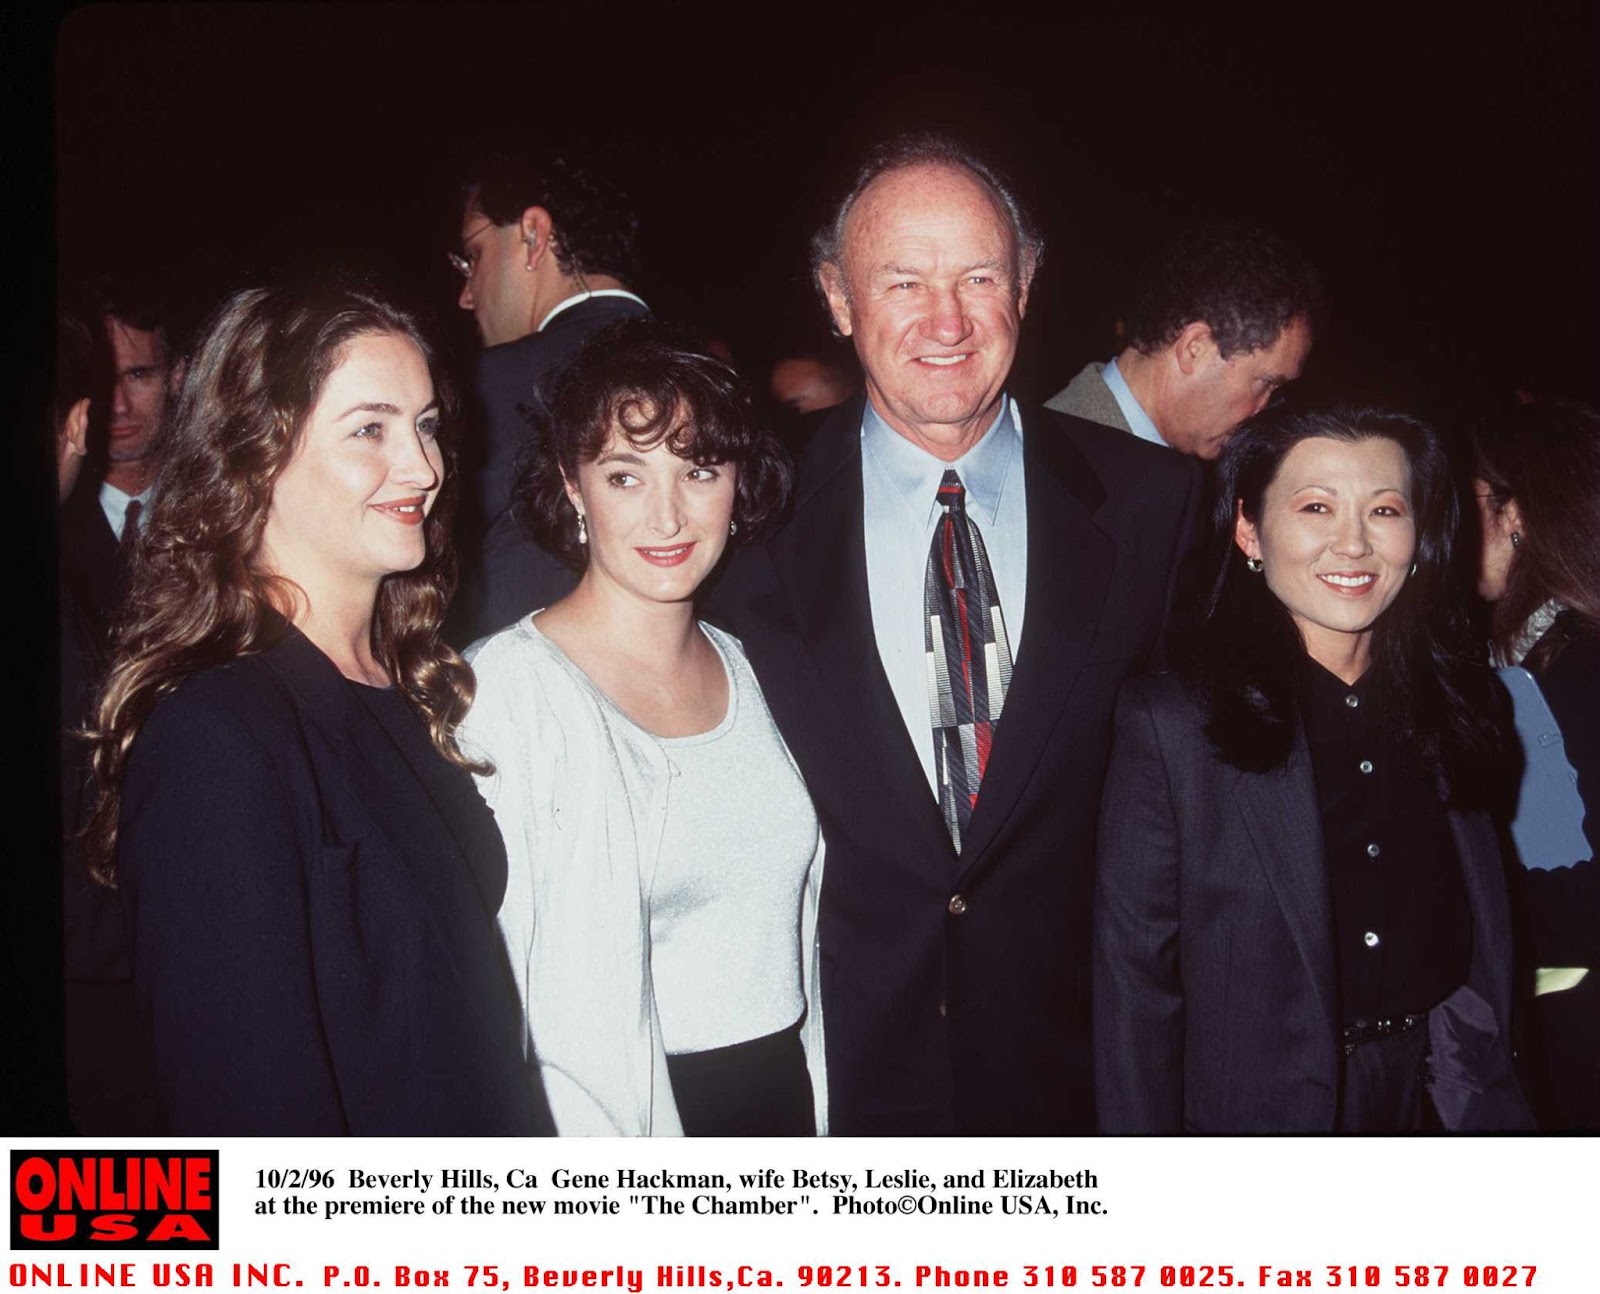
pixel 1439 167
pixel 1438 164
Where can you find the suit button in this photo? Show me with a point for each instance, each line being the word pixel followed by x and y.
pixel 943 1009
pixel 956 906
pixel 1365 765
pixel 1373 851
pixel 1370 939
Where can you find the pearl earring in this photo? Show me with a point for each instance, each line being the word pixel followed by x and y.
pixel 1516 539
pixel 583 529
pixel 733 527
pixel 1255 564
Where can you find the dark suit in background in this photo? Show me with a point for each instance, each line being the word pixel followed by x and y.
pixel 956 988
pixel 1215 981
pixel 93 566
pixel 505 573
pixel 312 899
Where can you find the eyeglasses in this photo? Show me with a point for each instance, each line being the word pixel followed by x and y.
pixel 461 264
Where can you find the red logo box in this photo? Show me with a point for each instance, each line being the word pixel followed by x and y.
pixel 114 1199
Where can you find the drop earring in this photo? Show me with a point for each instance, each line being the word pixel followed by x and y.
pixel 1516 539
pixel 1254 564
pixel 583 529
pixel 733 527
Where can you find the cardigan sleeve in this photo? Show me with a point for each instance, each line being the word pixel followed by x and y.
pixel 212 863
pixel 575 917
pixel 1138 993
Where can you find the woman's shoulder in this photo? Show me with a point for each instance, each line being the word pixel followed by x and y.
pixel 1165 694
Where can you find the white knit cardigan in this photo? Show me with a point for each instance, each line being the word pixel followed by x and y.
pixel 581 795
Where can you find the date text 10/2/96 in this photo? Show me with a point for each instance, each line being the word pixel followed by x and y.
pixel 633 1280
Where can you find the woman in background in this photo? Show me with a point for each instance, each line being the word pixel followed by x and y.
pixel 1537 481
pixel 309 874
pixel 1301 923
pixel 665 857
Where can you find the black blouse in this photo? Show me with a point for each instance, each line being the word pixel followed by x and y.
pixel 1402 925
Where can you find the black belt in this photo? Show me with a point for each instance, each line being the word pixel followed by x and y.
pixel 1371 1030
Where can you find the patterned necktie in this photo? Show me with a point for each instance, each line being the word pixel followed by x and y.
pixel 969 656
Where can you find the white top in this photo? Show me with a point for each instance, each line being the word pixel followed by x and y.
pixel 899 492
pixel 583 797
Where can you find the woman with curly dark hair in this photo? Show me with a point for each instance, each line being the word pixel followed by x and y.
pixel 310 875
pixel 1537 479
pixel 1301 921
pixel 665 857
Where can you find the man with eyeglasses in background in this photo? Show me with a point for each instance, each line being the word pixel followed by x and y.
pixel 548 251
pixel 1220 321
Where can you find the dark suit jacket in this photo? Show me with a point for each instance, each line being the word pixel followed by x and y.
pixel 506 574
pixel 1215 985
pixel 314 947
pixel 92 564
pixel 967 1016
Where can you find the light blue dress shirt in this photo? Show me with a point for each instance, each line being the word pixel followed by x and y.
pixel 1139 421
pixel 114 503
pixel 900 485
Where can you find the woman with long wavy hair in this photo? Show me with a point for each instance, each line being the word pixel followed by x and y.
pixel 310 876
pixel 1301 921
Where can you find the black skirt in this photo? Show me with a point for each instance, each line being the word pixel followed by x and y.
pixel 759 1088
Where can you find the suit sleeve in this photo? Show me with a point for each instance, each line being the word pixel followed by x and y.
pixel 1138 993
pixel 214 877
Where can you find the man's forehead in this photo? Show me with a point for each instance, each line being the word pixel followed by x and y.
pixel 134 345
pixel 928 197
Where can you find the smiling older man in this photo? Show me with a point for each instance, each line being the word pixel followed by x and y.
pixel 940 631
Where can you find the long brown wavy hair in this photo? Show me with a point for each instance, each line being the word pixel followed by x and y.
pixel 198 596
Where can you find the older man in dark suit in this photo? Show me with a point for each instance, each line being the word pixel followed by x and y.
pixel 940 631
pixel 548 251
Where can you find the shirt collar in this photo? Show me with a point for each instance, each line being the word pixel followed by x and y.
pixel 1139 422
pixel 576 297
pixel 915 474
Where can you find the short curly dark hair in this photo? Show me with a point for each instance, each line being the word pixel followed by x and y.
pixel 595 228
pixel 651 381
pixel 1246 284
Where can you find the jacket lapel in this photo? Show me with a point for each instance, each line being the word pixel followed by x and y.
pixel 822 563
pixel 1070 563
pixel 1281 814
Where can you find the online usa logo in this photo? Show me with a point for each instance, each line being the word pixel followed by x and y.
pixel 113 1199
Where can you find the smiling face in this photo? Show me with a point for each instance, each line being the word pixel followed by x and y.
pixel 1336 536
pixel 657 523
pixel 932 294
pixel 349 507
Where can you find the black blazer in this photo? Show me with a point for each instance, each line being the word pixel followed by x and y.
pixel 315 949
pixel 93 566
pixel 1215 984
pixel 956 989
pixel 506 574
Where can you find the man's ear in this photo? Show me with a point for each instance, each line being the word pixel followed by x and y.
pixel 535 228
pixel 175 375
pixel 837 291
pixel 1244 532
pixel 75 431
pixel 1193 346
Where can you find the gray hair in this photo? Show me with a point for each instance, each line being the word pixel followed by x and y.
pixel 927 149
